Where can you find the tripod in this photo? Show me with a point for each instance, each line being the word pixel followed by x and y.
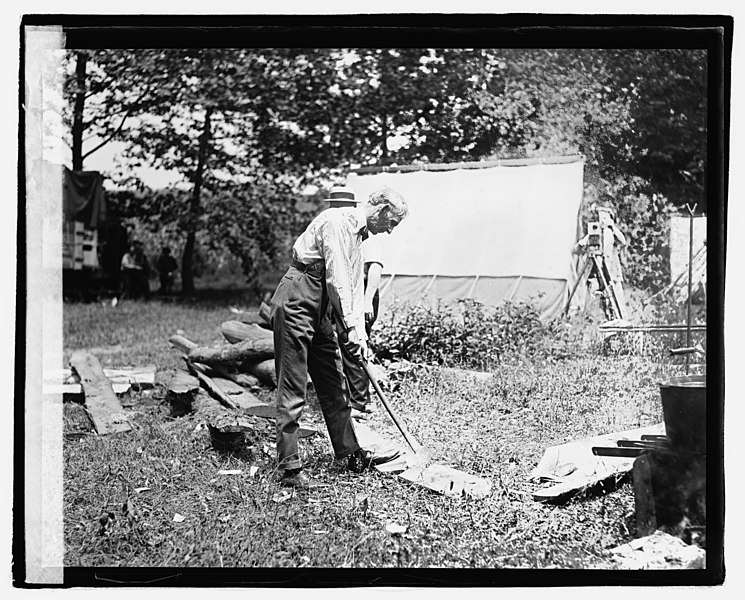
pixel 596 262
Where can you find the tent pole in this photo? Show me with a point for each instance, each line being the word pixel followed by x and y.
pixel 473 285
pixel 514 288
pixel 387 284
pixel 429 285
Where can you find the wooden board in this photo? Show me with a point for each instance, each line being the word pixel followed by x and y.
pixel 101 402
pixel 242 398
pixel 74 391
pixel 143 377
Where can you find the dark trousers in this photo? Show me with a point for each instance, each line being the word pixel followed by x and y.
pixel 359 382
pixel 305 344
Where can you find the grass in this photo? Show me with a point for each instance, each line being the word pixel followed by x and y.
pixel 496 428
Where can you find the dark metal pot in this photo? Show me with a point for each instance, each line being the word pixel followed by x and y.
pixel 684 412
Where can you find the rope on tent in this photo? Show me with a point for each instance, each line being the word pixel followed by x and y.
pixel 514 289
pixel 473 285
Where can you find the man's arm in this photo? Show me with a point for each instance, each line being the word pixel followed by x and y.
pixel 374 271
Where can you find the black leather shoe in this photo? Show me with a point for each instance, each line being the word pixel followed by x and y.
pixel 362 459
pixel 295 478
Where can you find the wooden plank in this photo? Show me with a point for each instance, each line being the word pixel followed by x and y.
pixel 101 402
pixel 646 518
pixel 243 399
pixel 210 386
pixel 73 391
pixel 143 377
pixel 266 411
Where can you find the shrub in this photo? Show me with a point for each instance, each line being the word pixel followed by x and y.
pixel 468 335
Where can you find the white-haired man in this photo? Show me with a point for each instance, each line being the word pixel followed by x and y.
pixel 372 265
pixel 325 273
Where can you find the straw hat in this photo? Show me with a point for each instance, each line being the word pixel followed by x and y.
pixel 342 194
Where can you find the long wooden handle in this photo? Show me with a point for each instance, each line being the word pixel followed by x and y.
pixel 415 446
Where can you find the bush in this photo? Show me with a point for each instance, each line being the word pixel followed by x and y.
pixel 469 335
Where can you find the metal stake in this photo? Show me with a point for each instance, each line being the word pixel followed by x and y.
pixel 690 276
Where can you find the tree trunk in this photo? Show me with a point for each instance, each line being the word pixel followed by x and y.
pixel 77 117
pixel 384 139
pixel 187 260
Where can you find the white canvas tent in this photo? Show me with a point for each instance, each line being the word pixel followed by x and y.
pixel 491 231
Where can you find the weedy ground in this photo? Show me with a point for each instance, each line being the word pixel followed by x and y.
pixel 154 496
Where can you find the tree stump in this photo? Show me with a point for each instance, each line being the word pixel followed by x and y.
pixel 227 428
pixel 180 393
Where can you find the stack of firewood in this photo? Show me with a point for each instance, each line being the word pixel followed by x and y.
pixel 228 373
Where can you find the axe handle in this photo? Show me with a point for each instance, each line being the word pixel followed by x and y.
pixel 415 446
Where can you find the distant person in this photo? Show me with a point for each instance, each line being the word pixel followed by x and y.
pixel 166 266
pixel 359 383
pixel 605 247
pixel 135 272
pixel 325 274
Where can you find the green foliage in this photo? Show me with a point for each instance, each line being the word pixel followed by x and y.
pixel 473 336
pixel 239 122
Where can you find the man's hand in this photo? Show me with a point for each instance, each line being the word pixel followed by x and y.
pixel 369 312
pixel 359 345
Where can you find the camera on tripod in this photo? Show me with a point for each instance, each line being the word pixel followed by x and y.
pixel 594 237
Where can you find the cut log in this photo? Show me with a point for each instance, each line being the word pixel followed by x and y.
pixel 183 344
pixel 264 371
pixel 244 379
pixel 247 350
pixel 180 393
pixel 250 317
pixel 101 402
pixel 235 332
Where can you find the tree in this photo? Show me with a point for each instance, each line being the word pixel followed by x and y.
pixel 260 124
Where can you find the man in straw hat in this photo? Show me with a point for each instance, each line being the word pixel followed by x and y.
pixel 325 273
pixel 372 265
